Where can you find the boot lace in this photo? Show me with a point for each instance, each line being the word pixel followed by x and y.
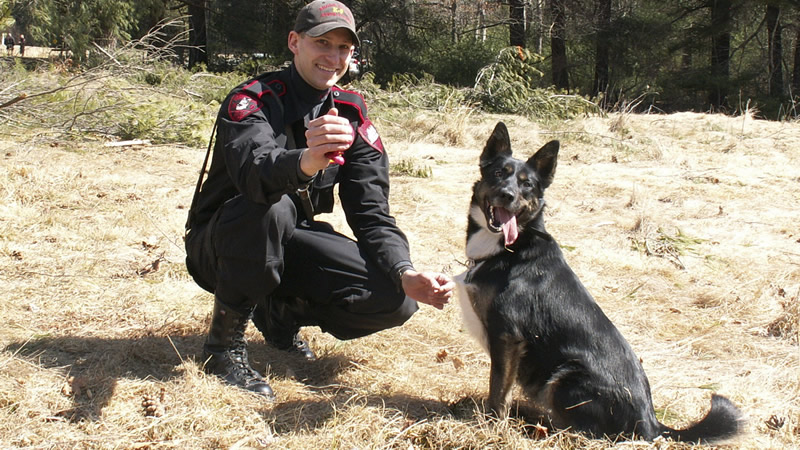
pixel 239 357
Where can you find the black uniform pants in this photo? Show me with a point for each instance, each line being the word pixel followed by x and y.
pixel 248 252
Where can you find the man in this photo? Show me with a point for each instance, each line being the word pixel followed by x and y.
pixel 9 43
pixel 21 45
pixel 284 139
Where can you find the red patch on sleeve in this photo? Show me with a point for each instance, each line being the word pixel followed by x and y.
pixel 242 105
pixel 370 135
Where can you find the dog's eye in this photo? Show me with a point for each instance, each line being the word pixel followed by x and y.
pixel 527 184
pixel 499 173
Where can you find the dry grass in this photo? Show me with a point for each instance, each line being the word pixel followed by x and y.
pixel 102 325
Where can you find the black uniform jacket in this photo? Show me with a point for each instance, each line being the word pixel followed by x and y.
pixel 254 157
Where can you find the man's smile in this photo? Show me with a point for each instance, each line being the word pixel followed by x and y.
pixel 326 68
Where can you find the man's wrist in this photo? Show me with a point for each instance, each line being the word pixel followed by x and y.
pixel 397 274
pixel 301 168
pixel 402 271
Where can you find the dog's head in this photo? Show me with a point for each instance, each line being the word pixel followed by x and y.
pixel 510 191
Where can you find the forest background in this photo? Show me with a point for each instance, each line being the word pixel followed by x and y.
pixel 699 55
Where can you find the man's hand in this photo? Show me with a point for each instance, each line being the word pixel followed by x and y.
pixel 326 135
pixel 434 289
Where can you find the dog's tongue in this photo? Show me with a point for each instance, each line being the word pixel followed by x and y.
pixel 509 222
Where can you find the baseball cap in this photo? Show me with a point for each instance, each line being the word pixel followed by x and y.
pixel 321 16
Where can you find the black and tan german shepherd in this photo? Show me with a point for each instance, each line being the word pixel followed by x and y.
pixel 539 324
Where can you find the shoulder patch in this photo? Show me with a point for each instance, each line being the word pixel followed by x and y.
pixel 370 135
pixel 242 105
pixel 248 99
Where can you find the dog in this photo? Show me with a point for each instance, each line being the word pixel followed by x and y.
pixel 539 324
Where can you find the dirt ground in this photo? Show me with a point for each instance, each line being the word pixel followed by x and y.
pixel 683 227
pixel 33 52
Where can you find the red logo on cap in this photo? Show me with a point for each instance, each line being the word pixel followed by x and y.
pixel 334 11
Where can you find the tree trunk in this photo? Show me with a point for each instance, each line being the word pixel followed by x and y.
pixel 527 10
pixel 558 44
pixel 480 31
pixel 601 50
pixel 720 52
pixel 454 21
pixel 539 12
pixel 796 72
pixel 197 33
pixel 775 50
pixel 516 25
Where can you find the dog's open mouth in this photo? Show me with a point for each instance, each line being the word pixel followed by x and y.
pixel 501 219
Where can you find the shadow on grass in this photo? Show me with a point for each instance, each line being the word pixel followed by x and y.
pixel 312 415
pixel 95 366
pixel 92 366
pixel 309 415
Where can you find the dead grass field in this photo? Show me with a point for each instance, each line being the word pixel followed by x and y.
pixel 684 227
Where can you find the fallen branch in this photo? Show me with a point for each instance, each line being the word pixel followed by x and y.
pixel 193 94
pixel 18 98
pixel 110 56
pixel 127 143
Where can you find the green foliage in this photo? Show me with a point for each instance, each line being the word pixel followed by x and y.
pixel 456 42
pixel 155 101
pixel 662 245
pixel 251 66
pixel 511 84
pixel 505 86
pixel 367 86
pixel 418 40
pixel 395 35
pixel 409 167
pixel 457 64
pixel 12 71
pixel 161 122
pixel 212 88
pixel 6 8
pixel 423 93
pixel 79 24
pixel 386 64
pixel 147 14
pixel 408 93
pixel 178 107
pixel 130 97
pixel 513 67
pixel 204 86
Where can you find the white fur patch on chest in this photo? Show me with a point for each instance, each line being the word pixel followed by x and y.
pixel 472 322
pixel 483 243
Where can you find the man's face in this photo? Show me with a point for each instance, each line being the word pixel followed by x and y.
pixel 322 60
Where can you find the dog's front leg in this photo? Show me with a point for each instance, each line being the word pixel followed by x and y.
pixel 505 353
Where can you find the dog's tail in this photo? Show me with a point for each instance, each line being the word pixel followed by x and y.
pixel 723 421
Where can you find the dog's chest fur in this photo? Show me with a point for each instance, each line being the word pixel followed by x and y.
pixel 474 299
pixel 481 243
pixel 473 314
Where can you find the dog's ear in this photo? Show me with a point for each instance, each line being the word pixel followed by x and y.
pixel 544 162
pixel 499 144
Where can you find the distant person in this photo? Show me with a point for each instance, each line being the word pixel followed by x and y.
pixel 21 45
pixel 9 42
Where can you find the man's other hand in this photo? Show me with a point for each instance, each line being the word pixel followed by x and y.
pixel 434 289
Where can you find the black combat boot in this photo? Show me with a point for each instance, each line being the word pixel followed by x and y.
pixel 225 351
pixel 279 320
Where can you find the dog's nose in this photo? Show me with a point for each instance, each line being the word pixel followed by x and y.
pixel 507 195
